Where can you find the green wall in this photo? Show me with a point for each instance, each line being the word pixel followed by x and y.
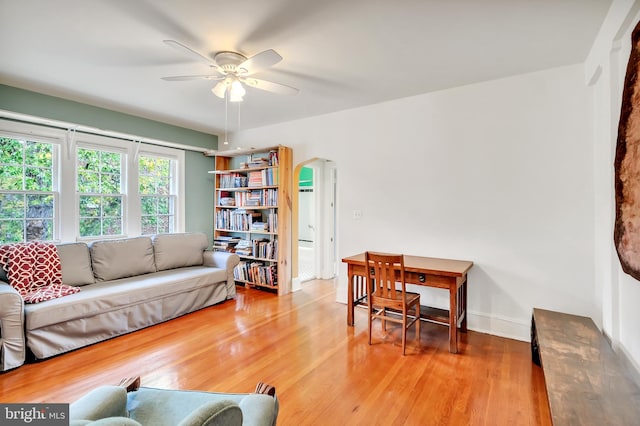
pixel 199 184
pixel 306 177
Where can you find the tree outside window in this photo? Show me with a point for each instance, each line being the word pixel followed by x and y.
pixel 100 192
pixel 157 198
pixel 27 193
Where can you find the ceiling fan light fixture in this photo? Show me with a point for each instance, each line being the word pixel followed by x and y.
pixel 237 91
pixel 219 89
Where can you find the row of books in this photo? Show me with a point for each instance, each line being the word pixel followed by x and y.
pixel 260 248
pixel 257 273
pixel 264 249
pixel 246 220
pixel 266 177
pixel 255 198
pixel 233 180
pixel 236 220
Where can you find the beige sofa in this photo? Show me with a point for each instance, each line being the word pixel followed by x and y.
pixel 126 285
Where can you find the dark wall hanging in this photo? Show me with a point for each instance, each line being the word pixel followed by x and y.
pixel 627 167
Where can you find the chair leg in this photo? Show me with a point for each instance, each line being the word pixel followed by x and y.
pixel 418 321
pixel 404 332
pixel 370 320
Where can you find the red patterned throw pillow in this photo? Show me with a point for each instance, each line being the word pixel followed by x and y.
pixel 34 270
pixel 20 265
pixel 48 269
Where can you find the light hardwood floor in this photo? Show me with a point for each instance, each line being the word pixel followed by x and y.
pixel 324 372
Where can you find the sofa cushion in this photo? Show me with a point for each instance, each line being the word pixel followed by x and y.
pixel 179 250
pixel 76 264
pixel 114 259
pixel 33 269
pixel 115 296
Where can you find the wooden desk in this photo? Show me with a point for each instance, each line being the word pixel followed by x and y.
pixel 427 271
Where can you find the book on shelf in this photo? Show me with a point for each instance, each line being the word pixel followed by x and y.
pixel 265 177
pixel 265 249
pixel 258 162
pixel 233 180
pixel 237 220
pixel 256 273
pixel 273 158
pixel 259 226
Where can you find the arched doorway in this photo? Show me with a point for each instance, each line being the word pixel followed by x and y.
pixel 314 221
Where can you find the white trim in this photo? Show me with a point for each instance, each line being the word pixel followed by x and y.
pixel 94 130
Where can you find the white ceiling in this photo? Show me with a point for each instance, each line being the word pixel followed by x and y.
pixel 340 53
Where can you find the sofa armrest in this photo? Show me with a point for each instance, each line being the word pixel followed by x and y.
pixel 12 344
pixel 211 413
pixel 224 260
pixel 100 403
pixel 220 259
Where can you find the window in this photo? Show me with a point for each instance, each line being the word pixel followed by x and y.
pixel 100 196
pixel 27 190
pixel 61 185
pixel 156 176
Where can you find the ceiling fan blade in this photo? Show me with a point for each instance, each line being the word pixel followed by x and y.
pixel 189 51
pixel 259 61
pixel 270 86
pixel 192 77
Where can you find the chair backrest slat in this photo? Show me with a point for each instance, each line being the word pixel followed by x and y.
pixel 384 271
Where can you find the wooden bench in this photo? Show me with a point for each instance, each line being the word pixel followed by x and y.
pixel 586 384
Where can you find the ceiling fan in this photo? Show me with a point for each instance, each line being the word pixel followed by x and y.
pixel 232 70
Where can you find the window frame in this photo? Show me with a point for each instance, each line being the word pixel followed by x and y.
pixel 82 144
pixel 55 174
pixel 173 184
pixel 66 214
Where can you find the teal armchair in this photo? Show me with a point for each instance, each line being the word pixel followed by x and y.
pixel 113 406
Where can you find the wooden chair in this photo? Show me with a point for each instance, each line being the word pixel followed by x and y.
pixel 384 271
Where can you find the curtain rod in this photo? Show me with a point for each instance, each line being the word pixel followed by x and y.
pixel 31 119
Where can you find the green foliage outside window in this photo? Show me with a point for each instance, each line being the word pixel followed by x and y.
pixel 156 200
pixel 100 188
pixel 27 202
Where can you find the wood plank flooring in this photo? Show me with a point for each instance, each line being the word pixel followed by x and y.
pixel 324 372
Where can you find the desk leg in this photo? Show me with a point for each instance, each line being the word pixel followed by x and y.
pixel 463 303
pixel 350 296
pixel 453 322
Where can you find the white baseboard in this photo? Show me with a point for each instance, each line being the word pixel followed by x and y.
pixel 296 284
pixel 499 326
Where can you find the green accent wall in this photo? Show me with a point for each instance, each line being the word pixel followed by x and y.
pixel 199 193
pixel 45 106
pixel 306 177
pixel 198 183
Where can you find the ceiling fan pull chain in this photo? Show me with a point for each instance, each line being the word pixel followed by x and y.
pixel 226 108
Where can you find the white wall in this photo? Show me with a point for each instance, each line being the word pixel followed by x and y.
pixel 500 173
pixel 605 70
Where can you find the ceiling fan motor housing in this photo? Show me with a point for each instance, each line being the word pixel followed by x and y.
pixel 229 61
